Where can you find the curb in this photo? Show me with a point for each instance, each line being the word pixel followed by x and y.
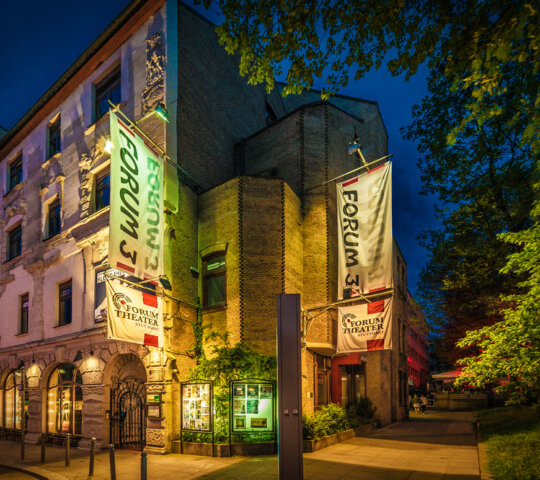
pixel 36 472
pixel 485 474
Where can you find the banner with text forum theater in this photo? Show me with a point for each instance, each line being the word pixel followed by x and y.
pixel 364 206
pixel 365 328
pixel 136 219
pixel 133 315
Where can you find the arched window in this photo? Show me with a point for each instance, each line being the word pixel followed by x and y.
pixel 12 400
pixel 64 398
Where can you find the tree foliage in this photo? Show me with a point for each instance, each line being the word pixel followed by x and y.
pixel 482 181
pixel 510 348
pixel 334 40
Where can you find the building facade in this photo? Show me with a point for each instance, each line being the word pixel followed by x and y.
pixel 418 356
pixel 243 224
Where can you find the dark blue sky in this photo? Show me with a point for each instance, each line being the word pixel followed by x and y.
pixel 42 39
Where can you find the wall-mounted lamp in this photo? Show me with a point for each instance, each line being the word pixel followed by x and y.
pixel 165 283
pixel 160 110
pixel 108 146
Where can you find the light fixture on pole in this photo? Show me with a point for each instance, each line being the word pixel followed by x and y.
pixel 160 110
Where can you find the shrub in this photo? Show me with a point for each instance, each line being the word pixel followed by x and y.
pixel 360 411
pixel 334 418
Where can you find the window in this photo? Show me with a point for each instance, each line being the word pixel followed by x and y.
pixel 14 173
pixel 214 284
pixel 14 247
pixel 107 89
pixel 65 294
pixel 103 191
pixel 53 134
pixel 23 320
pixel 54 222
pixel 12 400
pixel 64 399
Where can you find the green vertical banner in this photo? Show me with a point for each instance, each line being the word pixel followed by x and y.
pixel 136 219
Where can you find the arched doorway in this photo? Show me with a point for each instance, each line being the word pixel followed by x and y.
pixel 128 403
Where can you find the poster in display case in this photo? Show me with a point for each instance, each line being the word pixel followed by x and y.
pixel 196 407
pixel 252 406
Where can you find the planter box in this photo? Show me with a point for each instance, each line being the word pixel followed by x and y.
pixel 224 449
pixel 314 445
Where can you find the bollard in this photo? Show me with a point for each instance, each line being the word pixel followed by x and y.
pixel 143 465
pixel 22 439
pixel 68 446
pixel 92 456
pixel 111 461
pixel 42 443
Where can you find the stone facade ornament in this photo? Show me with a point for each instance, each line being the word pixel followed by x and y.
pixel 155 73
pixel 51 170
pixel 16 207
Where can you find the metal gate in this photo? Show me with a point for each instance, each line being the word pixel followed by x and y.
pixel 127 417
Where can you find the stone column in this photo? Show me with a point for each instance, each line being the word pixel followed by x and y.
pixel 94 408
pixel 157 436
pixel 37 408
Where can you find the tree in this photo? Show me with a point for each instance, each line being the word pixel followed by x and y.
pixel 510 348
pixel 482 180
pixel 335 39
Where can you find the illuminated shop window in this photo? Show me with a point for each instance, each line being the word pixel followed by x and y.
pixel 53 134
pixel 64 400
pixel 107 89
pixel 214 284
pixel 12 400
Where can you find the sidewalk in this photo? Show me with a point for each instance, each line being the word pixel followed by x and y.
pixel 435 446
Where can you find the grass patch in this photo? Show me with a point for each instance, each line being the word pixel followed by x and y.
pixel 512 439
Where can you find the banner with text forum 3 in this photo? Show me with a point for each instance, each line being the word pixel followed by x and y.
pixel 364 205
pixel 136 218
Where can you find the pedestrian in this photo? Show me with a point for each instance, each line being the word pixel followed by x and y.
pixel 416 404
pixel 423 403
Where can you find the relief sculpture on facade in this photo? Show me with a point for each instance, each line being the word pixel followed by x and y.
pixel 155 73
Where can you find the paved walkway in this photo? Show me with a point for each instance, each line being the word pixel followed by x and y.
pixel 435 446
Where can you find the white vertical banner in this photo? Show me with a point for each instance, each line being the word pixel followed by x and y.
pixel 365 328
pixel 133 315
pixel 136 219
pixel 364 206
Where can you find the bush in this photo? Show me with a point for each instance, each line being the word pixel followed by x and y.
pixel 334 418
pixel 360 411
